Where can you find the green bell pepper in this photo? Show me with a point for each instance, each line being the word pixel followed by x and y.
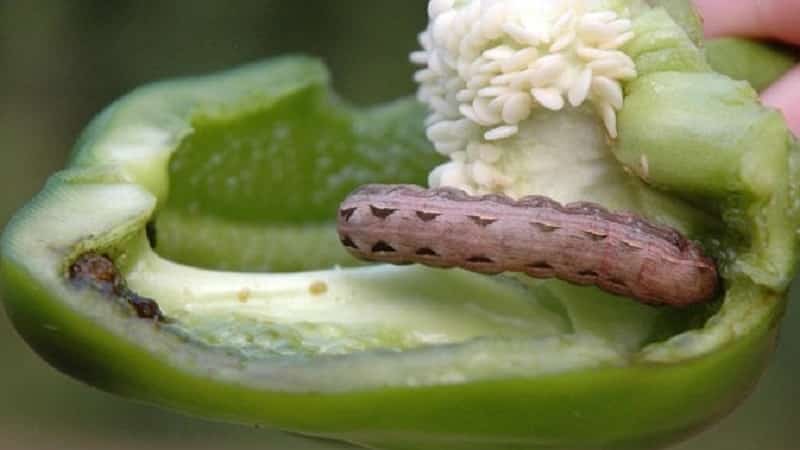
pixel 215 197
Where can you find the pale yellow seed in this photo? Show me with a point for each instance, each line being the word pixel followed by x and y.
pixel 318 288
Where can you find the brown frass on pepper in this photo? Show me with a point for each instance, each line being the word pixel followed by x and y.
pixel 95 271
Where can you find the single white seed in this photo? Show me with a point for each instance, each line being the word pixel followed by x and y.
pixel 463 128
pixel 620 26
pixel 608 90
pixel 468 69
pixel 537 26
pixel 494 91
pixel 521 81
pixel 470 46
pixel 447 147
pixel 609 119
pixel 492 23
pixel 443 107
pixel 465 95
pixel 499 53
pixel 624 73
pixel 419 57
pixel 501 100
pixel 521 35
pixel 609 67
pixel 459 156
pixel 490 67
pixel 425 40
pixel 517 108
pixel 580 87
pixel 504 79
pixel 591 53
pixel 425 76
pixel 564 41
pixel 519 60
pixel 600 16
pixel 436 7
pixel 468 112
pixel 482 173
pixel 500 133
pixel 436 64
pixel 455 84
pixel 488 178
pixel 595 32
pixel 564 22
pixel 435 177
pixel 546 69
pixel 550 98
pixel 478 81
pixel 617 42
pixel 473 151
pixel 433 89
pixel 440 131
pixel 442 26
pixel 485 112
pixel 455 175
pixel 434 118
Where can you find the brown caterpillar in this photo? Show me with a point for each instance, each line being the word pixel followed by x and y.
pixel 582 243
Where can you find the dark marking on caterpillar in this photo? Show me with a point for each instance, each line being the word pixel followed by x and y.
pixel 346 213
pixel 427 216
pixel 480 259
pixel 482 221
pixel 631 245
pixel 426 251
pixel 382 247
pixel 596 235
pixel 381 213
pixel 347 242
pixel 582 243
pixel 617 282
pixel 546 228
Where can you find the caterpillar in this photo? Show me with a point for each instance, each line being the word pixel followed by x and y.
pixel 581 243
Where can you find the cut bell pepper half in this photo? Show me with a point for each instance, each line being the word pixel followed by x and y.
pixel 216 196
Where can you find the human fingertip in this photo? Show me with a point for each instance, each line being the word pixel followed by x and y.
pixel 772 19
pixel 784 95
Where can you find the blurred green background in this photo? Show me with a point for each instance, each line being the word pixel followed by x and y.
pixel 61 61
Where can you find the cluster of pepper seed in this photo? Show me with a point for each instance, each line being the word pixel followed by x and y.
pixel 487 64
